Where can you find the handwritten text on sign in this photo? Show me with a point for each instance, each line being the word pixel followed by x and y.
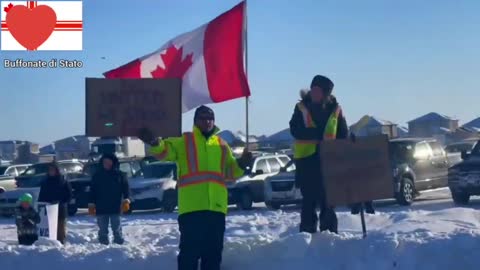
pixel 120 107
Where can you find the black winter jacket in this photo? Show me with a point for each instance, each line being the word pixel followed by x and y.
pixel 56 190
pixel 26 221
pixel 308 168
pixel 109 189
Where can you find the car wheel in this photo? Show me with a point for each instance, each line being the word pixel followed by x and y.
pixel 407 192
pixel 169 201
pixel 273 205
pixel 72 210
pixel 460 198
pixel 245 200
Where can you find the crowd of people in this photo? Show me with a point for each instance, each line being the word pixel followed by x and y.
pixel 205 165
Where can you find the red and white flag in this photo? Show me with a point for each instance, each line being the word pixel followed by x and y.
pixel 209 60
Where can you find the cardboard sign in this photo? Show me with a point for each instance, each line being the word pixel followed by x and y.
pixel 355 172
pixel 120 107
pixel 48 220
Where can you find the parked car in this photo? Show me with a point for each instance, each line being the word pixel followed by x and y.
pixel 155 187
pixel 13 170
pixel 418 165
pixel 35 174
pixel 464 177
pixel 280 189
pixel 8 174
pixel 81 184
pixel 454 150
pixel 250 187
pixel 30 181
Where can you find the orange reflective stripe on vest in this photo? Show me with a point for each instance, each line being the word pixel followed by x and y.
pixel 307 118
pixel 199 178
pixel 191 151
pixel 194 176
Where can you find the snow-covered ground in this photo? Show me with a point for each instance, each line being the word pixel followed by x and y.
pixel 430 235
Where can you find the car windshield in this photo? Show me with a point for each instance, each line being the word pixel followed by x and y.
pixel 458 148
pixel 159 170
pixel 36 169
pixel 70 167
pixel 2 170
pixel 476 150
pixel 401 151
pixel 290 166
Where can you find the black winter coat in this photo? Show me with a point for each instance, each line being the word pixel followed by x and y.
pixel 108 190
pixel 307 169
pixel 56 190
pixel 26 221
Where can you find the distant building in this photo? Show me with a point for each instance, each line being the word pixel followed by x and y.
pixel 473 125
pixel 82 147
pixel 432 125
pixel 238 139
pixel 370 125
pixel 280 140
pixel 461 134
pixel 19 151
pixel 74 147
pixel 402 132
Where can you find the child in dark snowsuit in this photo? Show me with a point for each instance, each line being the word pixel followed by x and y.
pixel 26 219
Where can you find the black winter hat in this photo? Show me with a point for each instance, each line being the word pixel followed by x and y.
pixel 323 82
pixel 204 111
pixel 112 157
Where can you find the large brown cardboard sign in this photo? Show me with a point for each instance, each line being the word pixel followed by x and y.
pixel 120 107
pixel 355 172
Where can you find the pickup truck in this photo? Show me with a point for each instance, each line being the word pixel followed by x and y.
pixel 418 165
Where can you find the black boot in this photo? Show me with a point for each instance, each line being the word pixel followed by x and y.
pixel 355 209
pixel 369 208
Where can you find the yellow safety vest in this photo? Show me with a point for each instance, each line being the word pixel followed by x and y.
pixel 204 167
pixel 306 148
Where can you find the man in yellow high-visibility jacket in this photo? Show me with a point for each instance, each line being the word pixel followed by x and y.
pixel 316 117
pixel 205 164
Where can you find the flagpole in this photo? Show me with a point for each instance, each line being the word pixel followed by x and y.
pixel 245 47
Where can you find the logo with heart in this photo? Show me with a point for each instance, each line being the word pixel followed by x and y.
pixel 31 27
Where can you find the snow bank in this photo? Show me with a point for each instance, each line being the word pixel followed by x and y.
pixel 444 239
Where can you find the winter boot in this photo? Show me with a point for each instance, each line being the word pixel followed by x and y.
pixel 119 241
pixel 104 241
pixel 355 209
pixel 369 208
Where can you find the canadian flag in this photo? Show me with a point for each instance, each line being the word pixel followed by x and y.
pixel 209 60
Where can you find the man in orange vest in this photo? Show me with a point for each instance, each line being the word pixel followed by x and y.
pixel 317 117
pixel 205 164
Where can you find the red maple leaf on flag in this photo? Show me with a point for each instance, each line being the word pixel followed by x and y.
pixel 175 66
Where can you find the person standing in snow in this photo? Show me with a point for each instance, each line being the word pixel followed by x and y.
pixel 55 189
pixel 317 116
pixel 205 164
pixel 26 219
pixel 109 196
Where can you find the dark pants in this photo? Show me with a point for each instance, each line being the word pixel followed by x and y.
pixel 313 198
pixel 62 230
pixel 201 238
pixel 27 239
pixel 103 222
